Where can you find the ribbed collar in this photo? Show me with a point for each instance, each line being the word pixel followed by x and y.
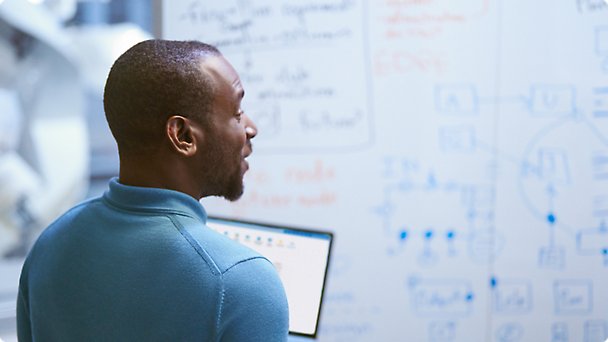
pixel 153 200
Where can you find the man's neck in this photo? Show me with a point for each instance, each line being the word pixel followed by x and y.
pixel 162 173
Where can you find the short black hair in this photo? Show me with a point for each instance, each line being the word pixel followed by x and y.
pixel 152 81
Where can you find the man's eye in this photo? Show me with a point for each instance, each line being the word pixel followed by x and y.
pixel 238 115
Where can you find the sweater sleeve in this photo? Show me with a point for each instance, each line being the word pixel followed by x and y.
pixel 254 305
pixel 24 332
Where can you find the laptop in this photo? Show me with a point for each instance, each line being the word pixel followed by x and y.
pixel 301 257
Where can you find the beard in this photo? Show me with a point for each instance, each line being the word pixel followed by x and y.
pixel 234 188
pixel 223 167
pixel 224 175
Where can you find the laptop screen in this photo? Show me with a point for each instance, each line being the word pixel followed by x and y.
pixel 301 257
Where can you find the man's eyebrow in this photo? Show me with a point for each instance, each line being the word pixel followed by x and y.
pixel 241 93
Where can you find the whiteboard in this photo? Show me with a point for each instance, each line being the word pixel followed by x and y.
pixel 457 149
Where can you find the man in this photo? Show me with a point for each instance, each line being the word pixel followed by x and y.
pixel 138 263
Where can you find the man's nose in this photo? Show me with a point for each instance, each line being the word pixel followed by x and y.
pixel 250 128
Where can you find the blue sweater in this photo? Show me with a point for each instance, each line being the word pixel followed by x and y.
pixel 139 264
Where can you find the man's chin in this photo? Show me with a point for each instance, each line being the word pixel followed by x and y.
pixel 235 194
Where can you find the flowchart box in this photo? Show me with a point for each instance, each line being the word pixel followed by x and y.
pixel 592 241
pixel 573 296
pixel 458 100
pixel 553 100
pixel 513 297
pixel 553 165
pixel 457 139
pixel 441 297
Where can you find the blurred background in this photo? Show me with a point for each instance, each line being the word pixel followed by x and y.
pixel 457 149
pixel 54 141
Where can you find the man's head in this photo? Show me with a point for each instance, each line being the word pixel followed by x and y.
pixel 176 106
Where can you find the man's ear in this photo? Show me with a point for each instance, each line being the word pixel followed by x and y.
pixel 182 135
